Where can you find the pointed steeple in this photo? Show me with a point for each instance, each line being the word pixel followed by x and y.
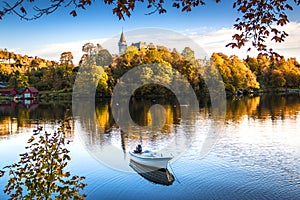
pixel 122 43
pixel 122 38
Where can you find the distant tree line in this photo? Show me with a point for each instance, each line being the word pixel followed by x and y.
pixel 250 74
pixel 258 73
pixel 20 71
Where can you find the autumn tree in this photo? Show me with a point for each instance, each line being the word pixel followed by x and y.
pixel 170 64
pixel 235 73
pixel 275 73
pixel 41 171
pixel 291 73
pixel 90 78
pixel 88 48
pixel 277 79
pixel 18 80
pixel 66 58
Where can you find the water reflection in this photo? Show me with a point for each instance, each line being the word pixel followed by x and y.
pixel 17 118
pixel 140 112
pixel 101 135
pixel 103 130
pixel 9 125
pixel 158 176
pixel 259 146
pixel 263 107
pixel 275 107
pixel 103 138
pixel 239 107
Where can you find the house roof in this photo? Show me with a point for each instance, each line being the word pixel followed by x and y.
pixel 31 89
pixel 7 89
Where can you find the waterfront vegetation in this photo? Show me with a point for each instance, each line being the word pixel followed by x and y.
pixel 41 171
pixel 56 79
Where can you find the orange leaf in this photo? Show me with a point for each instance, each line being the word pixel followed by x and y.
pixel 73 13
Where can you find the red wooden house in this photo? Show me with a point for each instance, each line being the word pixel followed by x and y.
pixel 30 93
pixel 8 92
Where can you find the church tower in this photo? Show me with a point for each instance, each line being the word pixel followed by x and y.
pixel 122 44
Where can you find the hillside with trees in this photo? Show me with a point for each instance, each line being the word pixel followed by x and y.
pixel 251 74
pixel 19 71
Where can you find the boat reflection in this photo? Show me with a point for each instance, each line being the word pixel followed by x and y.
pixel 159 176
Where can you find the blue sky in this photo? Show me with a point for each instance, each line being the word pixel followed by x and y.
pixel 209 25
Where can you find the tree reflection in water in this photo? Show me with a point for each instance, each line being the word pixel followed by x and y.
pixel 40 173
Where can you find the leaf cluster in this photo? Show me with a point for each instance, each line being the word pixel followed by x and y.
pixel 40 173
pixel 261 20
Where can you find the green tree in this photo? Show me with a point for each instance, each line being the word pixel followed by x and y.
pixel 88 78
pixel 47 78
pixel 18 80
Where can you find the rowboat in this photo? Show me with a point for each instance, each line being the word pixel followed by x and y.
pixel 158 176
pixel 151 159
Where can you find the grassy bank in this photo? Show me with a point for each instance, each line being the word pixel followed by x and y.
pixel 55 95
pixel 5 99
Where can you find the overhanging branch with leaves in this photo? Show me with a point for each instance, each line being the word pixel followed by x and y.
pixel 259 22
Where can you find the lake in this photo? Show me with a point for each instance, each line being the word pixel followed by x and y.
pixel 252 152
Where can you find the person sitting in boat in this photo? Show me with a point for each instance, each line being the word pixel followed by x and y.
pixel 138 149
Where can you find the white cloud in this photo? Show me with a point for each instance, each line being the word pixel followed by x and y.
pixel 214 41
pixel 217 40
pixel 53 51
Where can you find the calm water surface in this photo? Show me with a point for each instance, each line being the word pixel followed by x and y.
pixel 255 154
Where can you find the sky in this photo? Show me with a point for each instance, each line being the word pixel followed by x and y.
pixel 209 26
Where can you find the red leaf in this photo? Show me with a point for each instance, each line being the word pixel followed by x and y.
pixel 176 5
pixel 73 13
pixel 162 11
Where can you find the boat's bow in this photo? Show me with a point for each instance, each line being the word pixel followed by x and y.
pixel 148 158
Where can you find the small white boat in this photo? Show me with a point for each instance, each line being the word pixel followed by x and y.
pixel 151 159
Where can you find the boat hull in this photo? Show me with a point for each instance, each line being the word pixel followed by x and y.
pixel 152 161
pixel 158 176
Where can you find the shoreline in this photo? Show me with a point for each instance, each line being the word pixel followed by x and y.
pixel 67 96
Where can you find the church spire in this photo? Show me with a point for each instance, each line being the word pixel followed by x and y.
pixel 122 43
pixel 122 38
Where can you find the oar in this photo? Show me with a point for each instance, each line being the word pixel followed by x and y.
pixel 174 174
